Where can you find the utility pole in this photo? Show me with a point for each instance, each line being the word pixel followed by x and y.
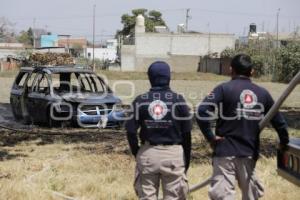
pixel 187 17
pixel 208 44
pixel 33 33
pixel 68 43
pixel 94 8
pixel 277 28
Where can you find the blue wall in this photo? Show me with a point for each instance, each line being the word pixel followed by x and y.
pixel 48 40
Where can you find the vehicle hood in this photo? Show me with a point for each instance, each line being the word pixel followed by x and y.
pixel 91 98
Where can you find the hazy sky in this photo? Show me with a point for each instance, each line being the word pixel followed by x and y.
pixel 75 16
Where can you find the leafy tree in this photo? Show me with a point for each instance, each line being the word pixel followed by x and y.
pixel 288 62
pixel 281 65
pixel 155 15
pixel 128 25
pixel 262 52
pixel 30 35
pixel 26 37
pixel 139 11
pixel 152 18
pixel 23 37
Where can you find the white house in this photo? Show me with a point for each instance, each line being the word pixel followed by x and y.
pixel 102 53
pixel 108 53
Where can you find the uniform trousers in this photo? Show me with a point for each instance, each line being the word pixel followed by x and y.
pixel 160 163
pixel 226 170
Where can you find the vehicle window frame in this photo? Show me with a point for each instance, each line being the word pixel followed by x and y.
pixel 93 78
pixel 32 76
pixel 84 82
pixel 91 82
pixel 77 85
pixel 35 86
pixel 53 82
pixel 19 78
pixel 105 87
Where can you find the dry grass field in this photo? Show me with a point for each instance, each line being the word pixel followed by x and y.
pixel 97 165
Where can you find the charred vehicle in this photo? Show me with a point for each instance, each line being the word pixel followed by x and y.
pixel 64 95
pixel 288 161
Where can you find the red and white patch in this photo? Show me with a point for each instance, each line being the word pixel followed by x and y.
pixel 157 109
pixel 248 99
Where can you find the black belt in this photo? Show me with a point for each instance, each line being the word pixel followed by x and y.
pixel 163 143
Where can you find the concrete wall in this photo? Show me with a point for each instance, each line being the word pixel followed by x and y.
pixel 154 44
pixel 128 58
pixel 181 51
pixel 189 45
pixel 219 43
pixel 12 45
pixel 177 63
pixel 7 66
pixel 8 52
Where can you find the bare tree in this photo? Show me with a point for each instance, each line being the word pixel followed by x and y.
pixel 6 30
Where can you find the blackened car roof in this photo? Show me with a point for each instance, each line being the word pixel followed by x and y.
pixel 59 69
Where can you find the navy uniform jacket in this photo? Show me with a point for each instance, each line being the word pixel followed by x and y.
pixel 161 116
pixel 152 114
pixel 147 112
pixel 241 105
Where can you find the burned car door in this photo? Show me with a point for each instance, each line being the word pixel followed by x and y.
pixel 17 93
pixel 39 98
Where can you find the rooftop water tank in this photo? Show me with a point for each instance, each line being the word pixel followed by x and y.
pixel 252 28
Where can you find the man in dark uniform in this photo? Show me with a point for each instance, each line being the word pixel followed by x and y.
pixel 241 105
pixel 165 138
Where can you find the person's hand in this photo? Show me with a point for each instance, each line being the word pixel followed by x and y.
pixel 215 141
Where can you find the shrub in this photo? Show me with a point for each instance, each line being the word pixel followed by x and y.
pixel 288 62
